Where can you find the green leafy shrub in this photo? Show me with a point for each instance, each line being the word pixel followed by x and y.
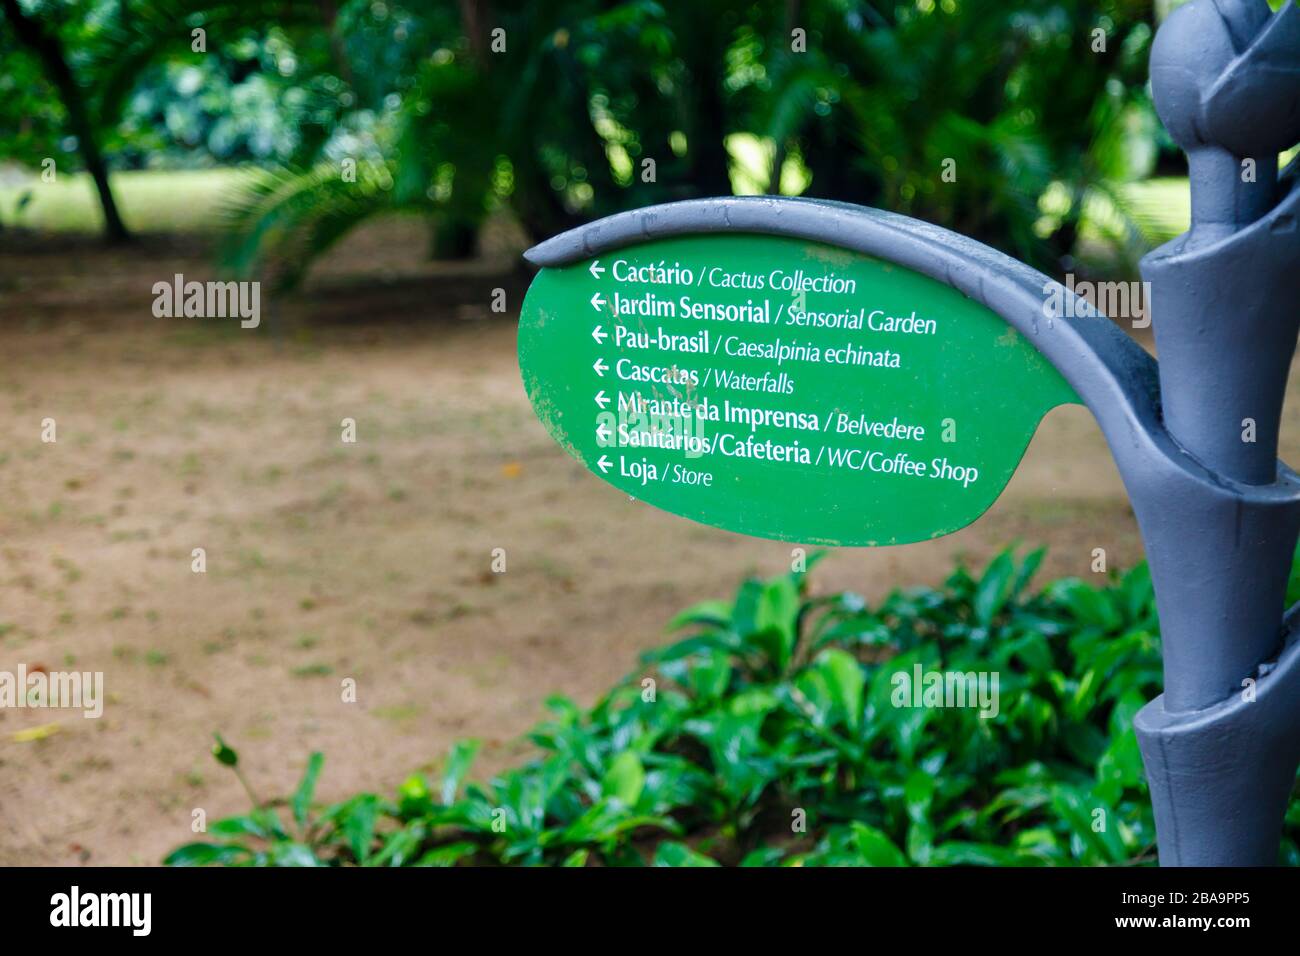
pixel 769 734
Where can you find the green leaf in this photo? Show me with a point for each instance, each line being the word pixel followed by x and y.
pixel 920 842
pixel 876 848
pixel 448 855
pixel 301 801
pixel 1033 649
pixel 994 588
pixel 224 754
pixel 918 793
pixel 973 854
pixel 241 825
pixel 262 822
pixel 357 819
pixel 679 854
pixel 845 680
pixel 291 854
pixel 724 641
pixel 1027 570
pixel 414 796
pixel 814 696
pixel 625 779
pixel 778 611
pixel 709 613
pixel 399 846
pixel 763 856
pixel 1089 605
pixel 458 763
pixel 709 675
pixel 606 821
pixel 1093 824
pixel 206 854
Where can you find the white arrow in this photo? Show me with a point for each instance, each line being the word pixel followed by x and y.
pixel 603 433
pixel 600 367
pixel 604 463
pixel 596 269
pixel 602 399
pixel 597 301
pixel 598 335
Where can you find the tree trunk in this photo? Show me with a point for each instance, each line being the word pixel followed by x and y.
pixel 779 152
pixel 711 165
pixel 453 239
pixel 475 15
pixel 338 49
pixel 49 50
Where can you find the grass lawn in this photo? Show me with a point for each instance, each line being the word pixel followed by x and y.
pixel 191 200
pixel 149 200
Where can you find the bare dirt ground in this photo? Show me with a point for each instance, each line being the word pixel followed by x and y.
pixel 328 560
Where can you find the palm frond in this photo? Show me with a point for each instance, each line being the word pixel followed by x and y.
pixel 282 219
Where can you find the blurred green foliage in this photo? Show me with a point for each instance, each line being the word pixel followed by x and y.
pixel 451 111
pixel 252 85
pixel 773 735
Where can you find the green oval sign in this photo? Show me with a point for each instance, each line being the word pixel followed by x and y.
pixel 782 388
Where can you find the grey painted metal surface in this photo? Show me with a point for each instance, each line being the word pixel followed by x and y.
pixel 1220 759
pixel 1219 515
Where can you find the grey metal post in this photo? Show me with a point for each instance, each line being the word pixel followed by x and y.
pixel 1195 437
pixel 1221 744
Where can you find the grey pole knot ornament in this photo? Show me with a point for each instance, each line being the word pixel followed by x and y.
pixel 1226 79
